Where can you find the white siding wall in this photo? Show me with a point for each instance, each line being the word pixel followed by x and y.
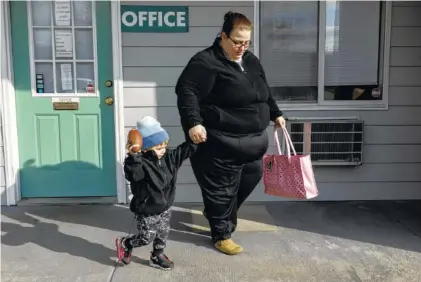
pixel 392 161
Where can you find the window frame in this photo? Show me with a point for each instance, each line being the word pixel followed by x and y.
pixel 54 61
pixel 321 103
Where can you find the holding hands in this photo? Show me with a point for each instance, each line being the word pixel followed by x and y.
pixel 198 134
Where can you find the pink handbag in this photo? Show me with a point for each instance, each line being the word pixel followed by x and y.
pixel 289 176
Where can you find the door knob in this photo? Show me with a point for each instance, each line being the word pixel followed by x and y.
pixel 109 100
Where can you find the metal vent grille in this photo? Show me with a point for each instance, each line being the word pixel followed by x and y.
pixel 329 142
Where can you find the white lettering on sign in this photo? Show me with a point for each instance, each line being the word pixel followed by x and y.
pixel 127 14
pixel 152 18
pixel 169 19
pixel 143 17
pixel 181 18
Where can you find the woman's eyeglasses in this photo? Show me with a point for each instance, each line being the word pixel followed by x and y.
pixel 238 44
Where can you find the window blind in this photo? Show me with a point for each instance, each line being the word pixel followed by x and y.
pixel 352 42
pixel 289 42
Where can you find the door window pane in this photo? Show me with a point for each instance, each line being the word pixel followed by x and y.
pixel 65 77
pixel 84 44
pixel 352 50
pixel 41 13
pixel 288 48
pixel 85 78
pixel 42 44
pixel 47 80
pixel 83 13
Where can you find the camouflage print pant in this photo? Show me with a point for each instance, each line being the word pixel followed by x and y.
pixel 154 228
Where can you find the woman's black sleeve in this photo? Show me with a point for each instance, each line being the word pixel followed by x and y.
pixel 275 112
pixel 195 82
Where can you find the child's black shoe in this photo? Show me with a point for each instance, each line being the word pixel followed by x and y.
pixel 161 261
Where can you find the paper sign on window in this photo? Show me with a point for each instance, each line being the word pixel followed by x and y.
pixel 62 13
pixel 64 43
pixel 66 77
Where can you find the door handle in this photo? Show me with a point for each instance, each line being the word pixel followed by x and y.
pixel 109 100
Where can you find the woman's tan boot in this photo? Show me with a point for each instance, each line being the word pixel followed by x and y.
pixel 228 247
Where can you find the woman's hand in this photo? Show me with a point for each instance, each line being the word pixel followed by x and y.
pixel 280 122
pixel 198 134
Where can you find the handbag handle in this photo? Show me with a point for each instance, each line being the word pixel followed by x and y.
pixel 288 142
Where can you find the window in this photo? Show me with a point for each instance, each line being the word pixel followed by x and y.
pixel 63 38
pixel 324 53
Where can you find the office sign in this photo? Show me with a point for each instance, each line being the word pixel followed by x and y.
pixel 160 19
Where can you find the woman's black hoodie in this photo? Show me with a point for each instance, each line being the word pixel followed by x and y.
pixel 217 93
pixel 152 180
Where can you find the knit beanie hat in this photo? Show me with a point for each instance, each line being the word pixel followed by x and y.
pixel 152 132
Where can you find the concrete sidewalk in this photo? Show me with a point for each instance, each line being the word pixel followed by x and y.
pixel 313 241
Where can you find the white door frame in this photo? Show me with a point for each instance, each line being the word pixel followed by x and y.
pixel 118 102
pixel 8 107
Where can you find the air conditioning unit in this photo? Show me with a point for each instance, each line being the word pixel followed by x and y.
pixel 329 141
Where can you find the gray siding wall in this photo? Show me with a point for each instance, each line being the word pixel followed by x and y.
pixel 392 160
pixel 152 64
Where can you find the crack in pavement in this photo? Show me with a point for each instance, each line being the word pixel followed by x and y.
pixel 112 273
pixel 409 228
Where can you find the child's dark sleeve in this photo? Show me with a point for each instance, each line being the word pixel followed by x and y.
pixel 133 167
pixel 184 151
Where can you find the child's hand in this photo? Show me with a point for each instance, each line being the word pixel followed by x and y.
pixel 197 134
pixel 134 149
pixel 203 137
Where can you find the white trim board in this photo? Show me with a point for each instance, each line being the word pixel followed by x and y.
pixel 118 103
pixel 9 127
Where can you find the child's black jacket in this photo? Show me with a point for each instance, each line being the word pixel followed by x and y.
pixel 152 180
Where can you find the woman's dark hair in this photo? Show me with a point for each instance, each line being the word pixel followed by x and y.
pixel 232 20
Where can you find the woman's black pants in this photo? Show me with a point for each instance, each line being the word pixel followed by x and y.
pixel 227 173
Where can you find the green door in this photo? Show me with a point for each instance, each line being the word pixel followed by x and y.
pixel 65 150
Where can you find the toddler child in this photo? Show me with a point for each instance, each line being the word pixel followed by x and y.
pixel 152 174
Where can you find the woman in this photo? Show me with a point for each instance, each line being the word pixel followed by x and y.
pixel 224 98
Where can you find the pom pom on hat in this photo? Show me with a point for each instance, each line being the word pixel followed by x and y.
pixel 152 132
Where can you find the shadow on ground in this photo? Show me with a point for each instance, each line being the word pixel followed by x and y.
pixel 48 236
pixel 110 217
pixel 391 224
